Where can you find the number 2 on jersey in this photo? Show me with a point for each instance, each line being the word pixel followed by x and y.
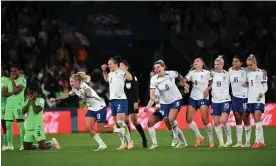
pixel 218 84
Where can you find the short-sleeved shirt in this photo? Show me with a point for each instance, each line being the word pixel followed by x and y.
pixel 237 79
pixel 220 87
pixel 117 84
pixel 255 86
pixel 4 81
pixel 200 82
pixel 35 120
pixel 166 87
pixel 94 103
pixel 16 98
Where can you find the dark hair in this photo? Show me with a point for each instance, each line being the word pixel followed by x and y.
pixel 125 63
pixel 33 86
pixel 238 57
pixel 117 59
pixel 15 66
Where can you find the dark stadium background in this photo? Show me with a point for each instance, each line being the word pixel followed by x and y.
pixel 52 40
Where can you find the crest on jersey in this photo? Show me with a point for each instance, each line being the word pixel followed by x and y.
pixel 242 74
pixel 201 77
pixel 224 78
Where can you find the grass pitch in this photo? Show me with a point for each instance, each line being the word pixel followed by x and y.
pixel 77 150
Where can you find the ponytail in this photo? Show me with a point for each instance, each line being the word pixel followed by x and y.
pixel 220 58
pixel 252 58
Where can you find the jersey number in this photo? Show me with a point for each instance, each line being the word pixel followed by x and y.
pixel 218 84
pixel 236 79
pixel 38 133
pixel 167 87
pixel 196 82
pixel 98 116
pixel 251 82
pixel 119 106
pixel 18 112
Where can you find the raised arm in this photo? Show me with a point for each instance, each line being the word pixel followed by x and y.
pixel 26 107
pixel 128 76
pixel 105 75
pixel 65 96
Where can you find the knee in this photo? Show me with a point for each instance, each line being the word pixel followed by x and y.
pixel 205 122
pixel 224 121
pixel 151 123
pixel 88 127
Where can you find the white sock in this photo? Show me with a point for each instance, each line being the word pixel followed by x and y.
pixel 219 134
pixel 171 132
pixel 181 136
pixel 98 139
pixel 123 125
pixel 175 130
pixel 247 130
pixel 209 131
pixel 258 132
pixel 262 134
pixel 193 126
pixel 228 132
pixel 152 134
pixel 117 130
pixel 239 131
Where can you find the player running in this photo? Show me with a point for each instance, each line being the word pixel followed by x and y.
pixel 200 79
pixel 96 107
pixel 4 81
pixel 257 87
pixel 131 90
pixel 156 116
pixel 34 107
pixel 14 91
pixel 119 104
pixel 170 100
pixel 221 101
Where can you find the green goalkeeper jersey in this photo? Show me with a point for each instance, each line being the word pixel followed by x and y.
pixel 35 120
pixel 4 81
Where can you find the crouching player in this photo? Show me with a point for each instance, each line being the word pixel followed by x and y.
pixel 34 126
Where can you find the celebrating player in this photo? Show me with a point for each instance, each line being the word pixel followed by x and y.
pixel 257 87
pixel 238 80
pixel 170 100
pixel 221 101
pixel 131 90
pixel 200 79
pixel 119 104
pixel 34 106
pixel 96 107
pixel 14 91
pixel 157 116
pixel 4 81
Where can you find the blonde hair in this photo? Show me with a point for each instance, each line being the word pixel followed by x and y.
pixel 160 62
pixel 220 59
pixel 252 58
pixel 82 77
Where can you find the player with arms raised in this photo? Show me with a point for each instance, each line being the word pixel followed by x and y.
pixel 221 101
pixel 96 107
pixel 200 79
pixel 34 106
pixel 257 87
pixel 119 104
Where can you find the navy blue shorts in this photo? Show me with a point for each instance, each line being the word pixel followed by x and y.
pixel 239 105
pixel 100 115
pixel 252 107
pixel 165 109
pixel 218 108
pixel 198 103
pixel 119 106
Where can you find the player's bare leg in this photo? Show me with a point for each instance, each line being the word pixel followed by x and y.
pixel 152 121
pixel 204 109
pixel 189 119
pixel 247 129
pixel 29 146
pixel 227 128
pixel 89 123
pixel 239 129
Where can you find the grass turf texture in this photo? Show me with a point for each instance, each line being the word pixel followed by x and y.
pixel 77 150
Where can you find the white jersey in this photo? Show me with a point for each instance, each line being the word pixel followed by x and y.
pixel 255 86
pixel 200 82
pixel 117 84
pixel 94 103
pixel 237 79
pixel 166 87
pixel 220 87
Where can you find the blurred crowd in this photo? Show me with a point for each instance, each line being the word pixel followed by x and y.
pixel 49 50
pixel 209 29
